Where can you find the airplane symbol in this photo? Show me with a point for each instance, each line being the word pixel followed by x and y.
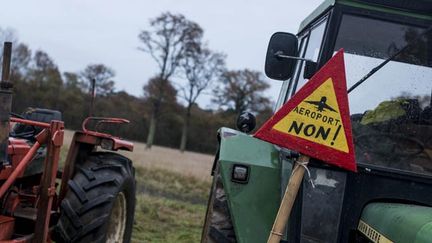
pixel 321 105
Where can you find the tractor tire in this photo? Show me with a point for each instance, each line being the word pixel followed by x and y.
pixel 100 203
pixel 218 226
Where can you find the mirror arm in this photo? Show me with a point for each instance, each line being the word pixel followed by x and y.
pixel 279 54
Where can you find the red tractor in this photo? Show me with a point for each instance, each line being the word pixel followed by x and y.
pixel 90 199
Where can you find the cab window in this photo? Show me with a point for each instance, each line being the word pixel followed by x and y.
pixel 312 52
pixel 283 95
pixel 391 111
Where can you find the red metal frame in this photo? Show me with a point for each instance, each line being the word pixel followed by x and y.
pixel 100 121
pixel 17 149
pixel 19 169
pixel 91 136
pixel 52 135
pixel 22 154
pixel 87 140
pixel 47 188
pixel 30 122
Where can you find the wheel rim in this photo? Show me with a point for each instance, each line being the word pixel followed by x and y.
pixel 117 222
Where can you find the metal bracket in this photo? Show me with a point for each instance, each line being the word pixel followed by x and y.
pixel 57 138
pixel 287 153
pixel 279 54
pixel 52 191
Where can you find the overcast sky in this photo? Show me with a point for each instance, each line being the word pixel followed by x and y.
pixel 78 32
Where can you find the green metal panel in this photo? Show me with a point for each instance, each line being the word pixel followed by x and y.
pixel 400 222
pixel 424 234
pixel 358 4
pixel 254 205
pixel 384 9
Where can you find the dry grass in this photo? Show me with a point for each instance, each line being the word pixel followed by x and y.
pixel 192 164
pixel 187 163
pixel 160 220
pixel 170 207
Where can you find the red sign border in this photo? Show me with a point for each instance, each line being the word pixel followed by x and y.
pixel 334 69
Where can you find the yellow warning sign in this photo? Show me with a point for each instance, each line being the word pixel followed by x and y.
pixel 317 119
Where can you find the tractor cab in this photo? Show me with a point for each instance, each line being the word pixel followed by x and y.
pixel 391 111
pixel 388 62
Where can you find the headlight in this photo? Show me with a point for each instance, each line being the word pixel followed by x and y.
pixel 240 173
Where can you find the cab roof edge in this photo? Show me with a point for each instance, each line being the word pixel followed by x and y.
pixel 316 13
pixel 415 8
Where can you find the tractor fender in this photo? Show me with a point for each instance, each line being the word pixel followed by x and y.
pixel 252 204
pixel 396 222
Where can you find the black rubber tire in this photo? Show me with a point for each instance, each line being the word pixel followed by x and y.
pixel 85 211
pixel 218 227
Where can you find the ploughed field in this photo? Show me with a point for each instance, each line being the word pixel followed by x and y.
pixel 172 190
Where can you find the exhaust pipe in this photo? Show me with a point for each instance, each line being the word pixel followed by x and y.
pixel 5 104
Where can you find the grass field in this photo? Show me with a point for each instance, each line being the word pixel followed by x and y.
pixel 172 190
pixel 170 207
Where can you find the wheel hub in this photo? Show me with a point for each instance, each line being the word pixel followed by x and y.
pixel 117 221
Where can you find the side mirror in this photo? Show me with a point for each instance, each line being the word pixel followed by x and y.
pixel 281 56
pixel 246 122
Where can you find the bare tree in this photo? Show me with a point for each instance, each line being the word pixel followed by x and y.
pixel 242 90
pixel 7 34
pixel 166 42
pixel 21 59
pixel 201 67
pixel 103 76
pixel 153 88
pixel 44 80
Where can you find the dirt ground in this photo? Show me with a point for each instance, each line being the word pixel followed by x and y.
pixel 188 163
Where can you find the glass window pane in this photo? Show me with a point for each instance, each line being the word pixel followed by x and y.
pixel 391 111
pixel 284 93
pixel 312 50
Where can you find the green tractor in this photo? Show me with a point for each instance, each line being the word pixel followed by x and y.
pixel 388 61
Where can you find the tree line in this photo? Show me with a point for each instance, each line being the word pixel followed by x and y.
pixel 167 113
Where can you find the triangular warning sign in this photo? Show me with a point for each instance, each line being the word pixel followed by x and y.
pixel 317 118
pixel 316 121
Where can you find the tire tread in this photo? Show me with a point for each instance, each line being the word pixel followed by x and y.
pixel 85 211
pixel 218 227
